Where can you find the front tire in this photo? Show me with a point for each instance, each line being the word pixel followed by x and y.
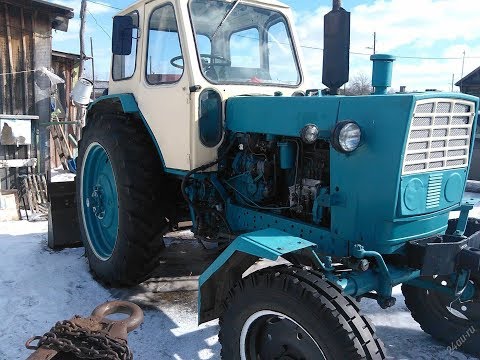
pixel 290 313
pixel 450 321
pixel 119 182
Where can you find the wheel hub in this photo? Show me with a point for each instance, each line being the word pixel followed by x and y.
pixel 282 339
pixel 96 202
pixel 277 337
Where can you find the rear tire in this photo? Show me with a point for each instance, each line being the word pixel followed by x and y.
pixel 287 312
pixel 121 215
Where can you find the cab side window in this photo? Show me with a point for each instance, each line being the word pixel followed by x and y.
pixel 164 53
pixel 124 65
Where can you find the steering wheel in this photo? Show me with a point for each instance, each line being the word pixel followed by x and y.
pixel 213 61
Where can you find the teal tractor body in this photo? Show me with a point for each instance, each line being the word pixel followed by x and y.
pixel 351 194
pixel 398 186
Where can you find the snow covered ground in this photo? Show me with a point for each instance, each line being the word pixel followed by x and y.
pixel 39 287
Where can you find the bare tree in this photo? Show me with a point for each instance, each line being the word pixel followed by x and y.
pixel 359 85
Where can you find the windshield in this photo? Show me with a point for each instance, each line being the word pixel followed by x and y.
pixel 239 43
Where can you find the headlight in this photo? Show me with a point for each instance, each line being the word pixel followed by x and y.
pixel 346 136
pixel 310 133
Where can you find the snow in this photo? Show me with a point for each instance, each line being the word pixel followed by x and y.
pixel 61 175
pixel 39 287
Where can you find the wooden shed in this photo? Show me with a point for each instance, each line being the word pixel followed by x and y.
pixel 25 91
pixel 470 84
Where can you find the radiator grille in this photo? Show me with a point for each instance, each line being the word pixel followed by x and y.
pixel 439 136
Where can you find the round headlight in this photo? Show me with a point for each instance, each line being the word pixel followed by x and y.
pixel 346 136
pixel 310 133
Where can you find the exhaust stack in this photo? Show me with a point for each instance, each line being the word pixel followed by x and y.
pixel 336 54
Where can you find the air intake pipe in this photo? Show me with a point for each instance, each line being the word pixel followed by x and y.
pixel 382 72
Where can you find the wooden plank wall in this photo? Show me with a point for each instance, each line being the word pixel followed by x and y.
pixel 17 38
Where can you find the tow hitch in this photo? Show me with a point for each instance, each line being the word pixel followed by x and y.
pixel 445 254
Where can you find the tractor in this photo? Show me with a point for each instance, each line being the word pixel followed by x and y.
pixel 208 120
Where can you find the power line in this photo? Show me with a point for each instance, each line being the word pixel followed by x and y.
pixel 310 47
pixel 105 5
pixel 100 26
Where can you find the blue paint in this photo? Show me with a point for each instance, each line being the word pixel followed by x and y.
pixel 287 151
pixel 359 283
pixel 319 205
pixel 430 192
pixel 382 72
pixel 242 219
pixel 371 209
pixel 100 201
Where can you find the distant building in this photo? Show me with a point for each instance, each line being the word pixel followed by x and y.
pixel 25 47
pixel 100 87
pixel 470 84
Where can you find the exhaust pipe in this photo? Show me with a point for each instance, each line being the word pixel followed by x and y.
pixel 336 53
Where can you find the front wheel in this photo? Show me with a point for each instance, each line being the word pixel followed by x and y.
pixel 447 319
pixel 290 313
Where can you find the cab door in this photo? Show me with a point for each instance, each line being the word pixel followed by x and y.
pixel 163 95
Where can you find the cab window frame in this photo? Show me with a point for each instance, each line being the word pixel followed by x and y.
pixel 164 5
pixel 281 17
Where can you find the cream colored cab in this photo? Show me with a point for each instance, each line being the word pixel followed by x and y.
pixel 186 52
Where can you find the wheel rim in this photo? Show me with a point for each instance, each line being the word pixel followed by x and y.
pixel 272 335
pixel 462 313
pixel 99 201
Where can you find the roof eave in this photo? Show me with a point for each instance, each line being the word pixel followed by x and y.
pixel 60 14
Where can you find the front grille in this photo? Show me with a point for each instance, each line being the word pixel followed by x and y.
pixel 439 136
pixel 434 190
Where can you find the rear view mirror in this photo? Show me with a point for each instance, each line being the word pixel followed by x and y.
pixel 122 35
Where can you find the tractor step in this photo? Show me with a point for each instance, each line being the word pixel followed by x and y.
pixel 445 254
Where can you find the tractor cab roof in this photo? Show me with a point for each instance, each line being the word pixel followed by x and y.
pixel 273 3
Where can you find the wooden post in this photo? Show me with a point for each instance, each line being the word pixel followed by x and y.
pixel 10 57
pixel 24 60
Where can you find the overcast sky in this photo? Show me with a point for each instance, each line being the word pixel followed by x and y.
pixel 428 30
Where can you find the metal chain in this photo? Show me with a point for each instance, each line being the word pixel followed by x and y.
pixel 68 337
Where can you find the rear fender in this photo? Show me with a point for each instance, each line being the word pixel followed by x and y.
pixel 229 267
pixel 120 103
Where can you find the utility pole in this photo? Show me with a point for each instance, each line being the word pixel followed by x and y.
pixel 453 80
pixel 83 17
pixel 463 62
pixel 93 67
pixel 374 48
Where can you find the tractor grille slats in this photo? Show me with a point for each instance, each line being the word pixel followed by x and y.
pixel 439 136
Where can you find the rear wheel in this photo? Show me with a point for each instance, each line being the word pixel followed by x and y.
pixel 290 313
pixel 119 183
